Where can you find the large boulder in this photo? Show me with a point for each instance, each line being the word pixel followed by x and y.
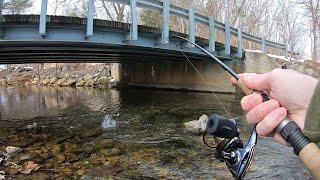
pixel 105 71
pixel 80 82
pixel 197 126
pixel 53 80
pixel 64 69
pixel 45 81
pixel 60 82
pixel 89 82
pixel 3 82
pixel 87 77
pixel 103 81
pixel 70 82
pixel 35 80
pixel 13 150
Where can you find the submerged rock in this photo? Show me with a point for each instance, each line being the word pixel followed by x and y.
pixel 60 158
pixel 71 147
pixel 13 150
pixel 25 157
pixel 40 176
pixel 32 126
pixel 197 126
pixel 56 149
pixel 104 143
pixel 89 133
pixel 71 157
pixel 131 174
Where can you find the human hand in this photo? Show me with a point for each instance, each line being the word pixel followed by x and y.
pixel 290 91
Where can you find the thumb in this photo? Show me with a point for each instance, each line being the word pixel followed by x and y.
pixel 258 82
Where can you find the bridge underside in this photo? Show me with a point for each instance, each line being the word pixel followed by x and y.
pixel 22 52
pixel 66 41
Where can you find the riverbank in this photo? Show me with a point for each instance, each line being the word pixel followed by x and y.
pixel 88 75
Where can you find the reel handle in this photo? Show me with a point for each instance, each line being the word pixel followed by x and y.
pixel 308 152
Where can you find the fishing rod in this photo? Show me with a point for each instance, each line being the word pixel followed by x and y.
pixel 232 151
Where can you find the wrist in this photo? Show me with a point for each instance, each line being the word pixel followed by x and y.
pixel 312 120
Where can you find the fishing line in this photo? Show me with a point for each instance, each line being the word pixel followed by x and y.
pixel 205 83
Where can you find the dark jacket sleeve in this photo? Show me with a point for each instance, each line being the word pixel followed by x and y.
pixel 312 124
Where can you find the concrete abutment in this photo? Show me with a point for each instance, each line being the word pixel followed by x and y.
pixel 180 75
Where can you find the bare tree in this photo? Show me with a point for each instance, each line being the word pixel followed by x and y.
pixel 16 6
pixel 115 11
pixel 313 9
pixel 79 9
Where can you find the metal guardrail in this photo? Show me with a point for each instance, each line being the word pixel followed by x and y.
pixel 167 9
pixel 198 18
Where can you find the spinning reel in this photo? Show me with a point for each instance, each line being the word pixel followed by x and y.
pixel 231 149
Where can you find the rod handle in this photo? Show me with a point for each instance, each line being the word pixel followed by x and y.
pixel 308 152
pixel 310 156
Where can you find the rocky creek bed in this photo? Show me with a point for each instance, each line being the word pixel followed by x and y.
pixel 86 133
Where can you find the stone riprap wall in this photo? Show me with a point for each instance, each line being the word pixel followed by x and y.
pixel 89 75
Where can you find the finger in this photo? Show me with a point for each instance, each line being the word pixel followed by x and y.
pixel 257 114
pixel 258 82
pixel 251 101
pixel 233 81
pixel 271 121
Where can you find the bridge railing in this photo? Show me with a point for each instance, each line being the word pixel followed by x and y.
pixel 167 10
pixel 193 18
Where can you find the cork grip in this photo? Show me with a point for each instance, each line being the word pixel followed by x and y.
pixel 310 155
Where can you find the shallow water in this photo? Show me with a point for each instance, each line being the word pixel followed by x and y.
pixel 124 134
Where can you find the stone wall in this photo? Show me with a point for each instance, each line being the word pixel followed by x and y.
pixel 90 75
pixel 258 62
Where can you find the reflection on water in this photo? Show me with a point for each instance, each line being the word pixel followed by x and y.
pixel 31 101
pixel 126 134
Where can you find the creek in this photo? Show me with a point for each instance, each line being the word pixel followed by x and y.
pixel 87 133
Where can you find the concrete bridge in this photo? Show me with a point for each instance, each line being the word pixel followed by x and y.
pixel 147 56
